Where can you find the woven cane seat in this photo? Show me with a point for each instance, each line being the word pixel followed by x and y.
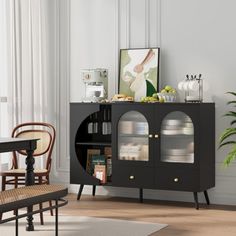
pixel 29 195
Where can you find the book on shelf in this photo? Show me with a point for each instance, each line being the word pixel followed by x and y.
pixel 97 160
pixel 109 168
pixel 100 173
pixel 108 153
pixel 90 154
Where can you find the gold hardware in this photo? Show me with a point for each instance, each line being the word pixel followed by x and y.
pixel 156 136
pixel 176 180
pixel 131 177
pixel 150 135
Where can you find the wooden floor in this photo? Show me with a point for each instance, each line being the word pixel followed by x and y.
pixel 182 218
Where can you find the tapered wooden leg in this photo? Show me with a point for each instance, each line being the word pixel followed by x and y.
pixel 196 200
pixel 141 195
pixel 206 197
pixel 94 190
pixel 80 191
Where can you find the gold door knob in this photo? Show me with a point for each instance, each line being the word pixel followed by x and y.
pixel 156 136
pixel 150 135
pixel 176 180
pixel 131 177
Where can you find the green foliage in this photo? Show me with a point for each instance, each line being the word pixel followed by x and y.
pixel 227 138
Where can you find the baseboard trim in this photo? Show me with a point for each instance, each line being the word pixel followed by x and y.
pixel 221 199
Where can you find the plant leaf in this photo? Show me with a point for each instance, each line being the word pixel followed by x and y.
pixel 227 133
pixel 230 157
pixel 232 122
pixel 230 102
pixel 226 143
pixel 231 113
pixel 232 93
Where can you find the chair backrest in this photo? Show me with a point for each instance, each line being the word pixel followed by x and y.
pixel 42 131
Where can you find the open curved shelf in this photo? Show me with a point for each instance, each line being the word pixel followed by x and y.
pixel 93 145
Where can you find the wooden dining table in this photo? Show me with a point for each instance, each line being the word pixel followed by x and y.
pixel 29 145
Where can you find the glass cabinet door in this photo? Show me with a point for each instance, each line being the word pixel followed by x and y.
pixel 133 139
pixel 177 138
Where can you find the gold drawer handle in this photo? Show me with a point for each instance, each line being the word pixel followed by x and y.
pixel 176 180
pixel 150 135
pixel 131 177
pixel 156 136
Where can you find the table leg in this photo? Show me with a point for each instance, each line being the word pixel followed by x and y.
pixel 29 161
pixel 56 218
pixel 29 180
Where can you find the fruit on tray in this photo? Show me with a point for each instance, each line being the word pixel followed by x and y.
pixel 168 89
pixel 154 98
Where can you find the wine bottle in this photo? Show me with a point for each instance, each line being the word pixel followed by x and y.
pixel 90 125
pixel 95 123
pixel 108 121
pixel 104 123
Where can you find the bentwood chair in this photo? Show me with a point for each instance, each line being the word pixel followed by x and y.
pixel 15 175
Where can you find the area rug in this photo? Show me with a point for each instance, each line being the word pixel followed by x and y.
pixel 84 226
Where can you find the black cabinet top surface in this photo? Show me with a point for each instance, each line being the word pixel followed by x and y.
pixel 146 104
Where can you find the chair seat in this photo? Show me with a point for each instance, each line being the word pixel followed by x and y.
pixel 23 171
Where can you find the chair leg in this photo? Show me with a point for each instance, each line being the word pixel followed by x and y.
pixel 51 211
pixel 3 183
pixel 41 205
pixel 3 189
pixel 50 202
pixel 41 213
pixel 16 182
pixel 15 186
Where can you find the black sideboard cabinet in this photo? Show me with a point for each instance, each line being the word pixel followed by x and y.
pixel 169 146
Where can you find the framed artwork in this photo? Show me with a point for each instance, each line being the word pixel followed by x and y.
pixel 139 72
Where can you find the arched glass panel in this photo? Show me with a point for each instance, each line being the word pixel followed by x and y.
pixel 133 144
pixel 177 138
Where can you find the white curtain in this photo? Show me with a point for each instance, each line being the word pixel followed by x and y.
pixel 32 60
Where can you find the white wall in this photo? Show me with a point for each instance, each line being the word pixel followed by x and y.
pixel 195 36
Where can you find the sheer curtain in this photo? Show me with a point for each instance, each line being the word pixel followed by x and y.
pixel 32 62
pixel 31 49
pixel 4 130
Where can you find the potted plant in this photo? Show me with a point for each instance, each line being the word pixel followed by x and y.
pixel 227 138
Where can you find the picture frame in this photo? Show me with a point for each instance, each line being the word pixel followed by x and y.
pixel 139 72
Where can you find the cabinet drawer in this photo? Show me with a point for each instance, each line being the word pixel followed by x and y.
pixel 177 179
pixel 138 177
